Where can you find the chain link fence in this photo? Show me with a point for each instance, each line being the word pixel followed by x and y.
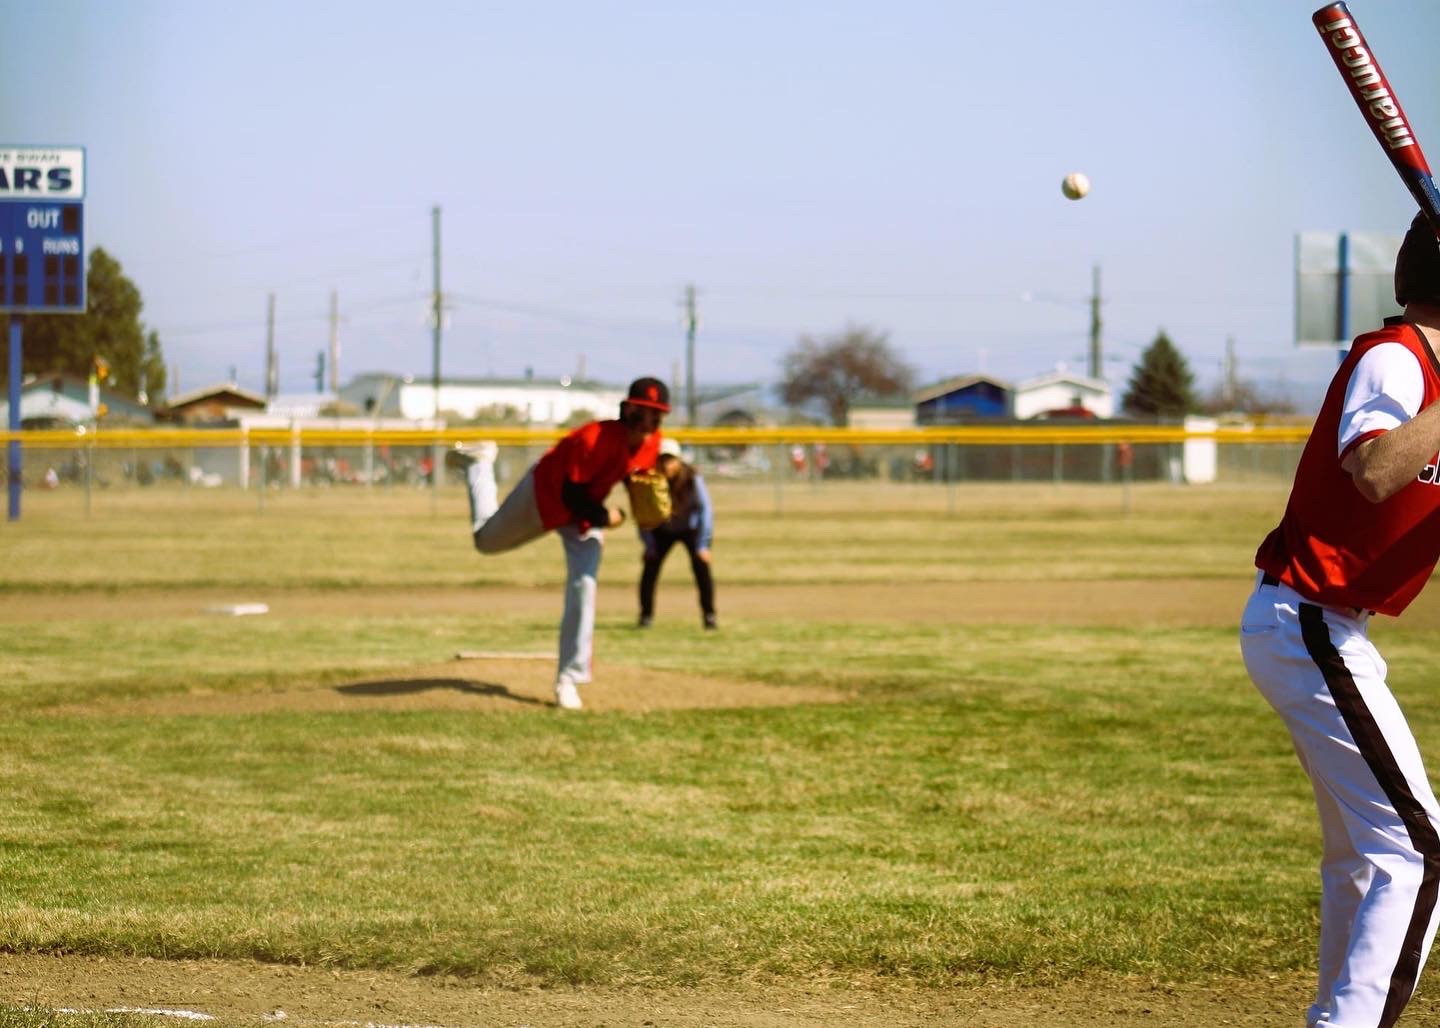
pixel 276 462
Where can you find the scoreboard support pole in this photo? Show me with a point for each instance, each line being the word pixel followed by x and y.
pixel 42 257
pixel 13 449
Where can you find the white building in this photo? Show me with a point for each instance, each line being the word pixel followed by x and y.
pixel 1063 391
pixel 63 400
pixel 534 401
pixel 301 406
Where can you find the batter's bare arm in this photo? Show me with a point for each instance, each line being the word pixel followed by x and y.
pixel 1382 466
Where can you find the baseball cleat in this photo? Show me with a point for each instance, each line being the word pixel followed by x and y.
pixel 465 454
pixel 567 697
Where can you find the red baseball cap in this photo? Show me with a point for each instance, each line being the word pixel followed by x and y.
pixel 650 392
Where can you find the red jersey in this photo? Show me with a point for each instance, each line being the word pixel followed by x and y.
pixel 596 455
pixel 1337 548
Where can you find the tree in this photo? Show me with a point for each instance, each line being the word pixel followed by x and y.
pixel 1161 383
pixel 153 378
pixel 836 370
pixel 110 329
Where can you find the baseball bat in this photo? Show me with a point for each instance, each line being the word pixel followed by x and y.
pixel 1378 103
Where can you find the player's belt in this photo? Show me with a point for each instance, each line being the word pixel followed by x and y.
pixel 1268 579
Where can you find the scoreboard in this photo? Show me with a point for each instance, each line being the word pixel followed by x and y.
pixel 42 230
pixel 42 257
pixel 42 261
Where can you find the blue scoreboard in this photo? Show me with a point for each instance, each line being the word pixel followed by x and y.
pixel 42 260
pixel 42 230
pixel 42 257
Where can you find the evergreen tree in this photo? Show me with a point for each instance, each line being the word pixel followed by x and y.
pixel 152 368
pixel 1161 383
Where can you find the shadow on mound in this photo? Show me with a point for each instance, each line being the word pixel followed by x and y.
pixel 412 686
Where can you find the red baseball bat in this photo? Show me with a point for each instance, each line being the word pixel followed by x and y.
pixel 1378 103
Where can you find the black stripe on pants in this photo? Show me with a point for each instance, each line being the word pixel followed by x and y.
pixel 1382 763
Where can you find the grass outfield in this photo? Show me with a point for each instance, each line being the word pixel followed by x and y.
pixel 827 535
pixel 1036 799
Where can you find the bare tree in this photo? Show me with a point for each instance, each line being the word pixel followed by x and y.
pixel 1245 397
pixel 837 369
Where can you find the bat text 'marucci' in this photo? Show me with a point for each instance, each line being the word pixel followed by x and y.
pixel 1369 83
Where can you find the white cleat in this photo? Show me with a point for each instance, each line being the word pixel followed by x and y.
pixel 567 697
pixel 465 454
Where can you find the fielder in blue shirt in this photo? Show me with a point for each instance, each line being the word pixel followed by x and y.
pixel 692 522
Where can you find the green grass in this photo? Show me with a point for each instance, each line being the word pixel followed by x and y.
pixel 339 539
pixel 23 1017
pixel 1028 799
pixel 1047 828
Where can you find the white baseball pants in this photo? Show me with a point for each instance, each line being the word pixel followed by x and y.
pixel 497 528
pixel 1380 866
pixel 577 626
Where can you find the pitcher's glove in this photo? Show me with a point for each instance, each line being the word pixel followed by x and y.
pixel 649 498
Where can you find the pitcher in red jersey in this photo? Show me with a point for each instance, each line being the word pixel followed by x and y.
pixel 565 491
pixel 1361 536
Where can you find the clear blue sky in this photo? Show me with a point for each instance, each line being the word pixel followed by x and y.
pixel 805 164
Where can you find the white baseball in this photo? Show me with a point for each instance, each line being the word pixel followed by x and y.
pixel 1075 185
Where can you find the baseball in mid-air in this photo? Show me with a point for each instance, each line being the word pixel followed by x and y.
pixel 1075 185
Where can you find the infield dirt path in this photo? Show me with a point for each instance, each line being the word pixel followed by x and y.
pixel 1130 602
pixel 478 683
pixel 1143 602
pixel 247 993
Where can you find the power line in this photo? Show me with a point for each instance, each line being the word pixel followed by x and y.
pixel 560 315
pixel 216 328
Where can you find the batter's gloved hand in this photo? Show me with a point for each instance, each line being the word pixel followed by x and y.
pixel 649 498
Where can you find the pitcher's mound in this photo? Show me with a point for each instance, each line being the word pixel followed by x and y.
pixel 512 681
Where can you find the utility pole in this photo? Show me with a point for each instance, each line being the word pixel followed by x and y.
pixel 335 342
pixel 436 310
pixel 1097 364
pixel 437 314
pixel 1231 373
pixel 690 354
pixel 272 368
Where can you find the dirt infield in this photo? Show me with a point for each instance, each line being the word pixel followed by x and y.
pixel 1129 601
pixel 248 993
pixel 1143 602
pixel 479 683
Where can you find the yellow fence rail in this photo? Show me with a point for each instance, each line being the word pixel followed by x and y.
pixel 1014 435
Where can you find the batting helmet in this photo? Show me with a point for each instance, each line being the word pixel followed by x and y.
pixel 649 392
pixel 1417 266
